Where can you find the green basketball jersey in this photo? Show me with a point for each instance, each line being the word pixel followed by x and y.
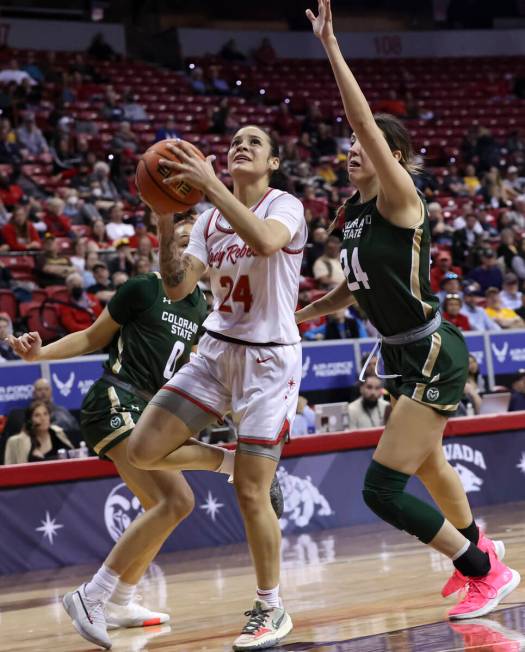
pixel 156 334
pixel 388 268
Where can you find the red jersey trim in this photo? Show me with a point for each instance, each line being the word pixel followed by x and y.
pixel 229 231
pixel 292 251
pixel 267 442
pixel 194 400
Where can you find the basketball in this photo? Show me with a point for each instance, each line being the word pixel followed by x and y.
pixel 164 198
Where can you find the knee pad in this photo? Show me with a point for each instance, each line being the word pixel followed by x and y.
pixel 382 492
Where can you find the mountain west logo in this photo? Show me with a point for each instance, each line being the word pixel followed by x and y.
pixel 302 500
pixel 500 354
pixel 466 454
pixel 121 508
pixel 64 388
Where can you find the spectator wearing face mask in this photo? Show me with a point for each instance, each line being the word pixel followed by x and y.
pixel 84 307
pixel 369 410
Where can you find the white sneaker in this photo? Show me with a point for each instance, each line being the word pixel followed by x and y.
pixel 133 615
pixel 266 627
pixel 88 616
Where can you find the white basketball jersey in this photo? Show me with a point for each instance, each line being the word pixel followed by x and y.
pixel 254 297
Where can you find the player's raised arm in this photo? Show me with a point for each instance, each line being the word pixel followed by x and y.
pixel 397 197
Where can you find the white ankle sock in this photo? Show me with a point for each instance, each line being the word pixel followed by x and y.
pixel 228 462
pixel 461 551
pixel 102 584
pixel 124 593
pixel 270 596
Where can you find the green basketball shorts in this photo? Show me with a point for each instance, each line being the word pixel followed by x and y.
pixel 433 371
pixel 108 416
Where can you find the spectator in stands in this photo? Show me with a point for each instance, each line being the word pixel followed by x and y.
pixel 123 261
pixel 443 265
pixel 32 69
pixel 83 308
pixel 286 123
pixel 6 328
pixel 100 49
pixel 99 235
pixel 392 104
pixel 513 184
pixel 517 214
pixel 218 84
pixel 133 111
pixel 11 73
pixel 315 248
pixel 452 305
pixel 450 284
pixel 118 279
pixel 142 266
pixel 197 82
pixel 508 247
pixel 312 119
pixel 10 193
pixel 9 151
pixel 102 288
pixel 510 295
pixel 124 140
pixel 474 375
pixel 327 269
pixel 145 250
pixel 101 176
pixel 369 410
pixel 478 318
pixel 492 189
pixel 52 267
pixel 168 131
pixel 92 259
pixel 112 109
pixel 231 52
pixel 465 238
pixel 140 232
pixel 31 138
pixel 78 259
pixel 304 422
pixel 521 310
pixel 517 399
pixel 470 403
pixel 453 183
pixel 19 234
pixel 504 317
pixel 56 222
pixel 326 144
pixel 441 231
pixel 116 229
pixel 39 440
pixel 488 274
pixel 487 150
pixel 471 181
pixel 265 53
pixel 518 261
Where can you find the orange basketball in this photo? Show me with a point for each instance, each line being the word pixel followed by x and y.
pixel 162 197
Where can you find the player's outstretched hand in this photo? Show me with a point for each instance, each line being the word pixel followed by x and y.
pixel 322 23
pixel 190 168
pixel 27 346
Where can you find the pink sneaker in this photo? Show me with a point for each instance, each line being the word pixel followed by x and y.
pixel 457 581
pixel 481 632
pixel 485 593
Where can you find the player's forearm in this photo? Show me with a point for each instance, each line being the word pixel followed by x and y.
pixel 71 345
pixel 253 231
pixel 356 107
pixel 338 298
pixel 173 265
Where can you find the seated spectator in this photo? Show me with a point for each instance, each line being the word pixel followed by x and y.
pixel 443 264
pixel 9 150
pixel 392 104
pixel 56 222
pixel 510 295
pixel 100 49
pixel 133 111
pixel 512 183
pixel 39 440
pixel 518 262
pixel 11 73
pixel 470 403
pixel 124 140
pixel 474 374
pixel 231 52
pixel 471 180
pixel 19 234
pixel 508 247
pixel 197 82
pixel 304 422
pixel 463 239
pixel 102 288
pixel 442 233
pixel 452 305
pixel 504 317
pixel 91 260
pixel 145 250
pixel 32 69
pixel 6 329
pixel 101 175
pixel 326 144
pixel 265 53
pixel 286 123
pixel 123 260
pixel 477 317
pixel 112 109
pixel 118 279
pixel 31 138
pixel 60 416
pixel 218 84
pixel 10 193
pixel 453 184
pixel 168 131
pixel 142 266
pixel 327 268
pixel 450 284
pixel 78 259
pixel 315 248
pixel 116 229
pixel 517 399
pixel 99 237
pixel 368 411
pixel 140 232
pixel 340 325
pixel 83 308
pixel 318 206
pixel 52 267
pixel 488 274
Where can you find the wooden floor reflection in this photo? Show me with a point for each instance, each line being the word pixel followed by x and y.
pixel 365 589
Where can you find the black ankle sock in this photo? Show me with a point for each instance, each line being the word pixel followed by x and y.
pixel 471 532
pixel 473 562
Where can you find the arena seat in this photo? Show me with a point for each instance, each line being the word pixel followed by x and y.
pixel 8 303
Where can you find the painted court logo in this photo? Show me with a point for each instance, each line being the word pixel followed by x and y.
pixel 121 508
pixel 302 500
pixel 459 455
pixel 432 394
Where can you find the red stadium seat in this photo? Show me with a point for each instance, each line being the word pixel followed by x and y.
pixel 8 303
pixel 44 319
pixel 57 292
